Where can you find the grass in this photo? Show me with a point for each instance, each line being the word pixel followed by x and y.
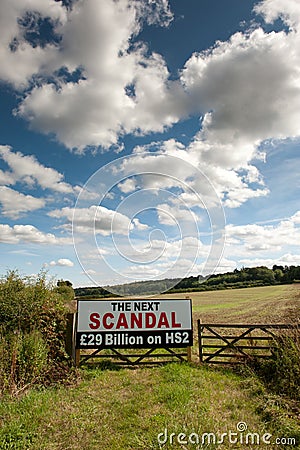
pixel 127 409
pixel 266 304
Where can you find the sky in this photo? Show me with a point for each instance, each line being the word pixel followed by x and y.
pixel 143 140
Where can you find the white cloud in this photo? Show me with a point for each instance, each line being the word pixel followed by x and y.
pixel 62 262
pixel 28 170
pixel 129 185
pixel 15 203
pixel 29 234
pixel 256 239
pixel 6 178
pixel 289 11
pixel 246 89
pixel 89 272
pixel 288 259
pixel 202 183
pixel 259 70
pixel 157 171
pixel 97 219
pixel 139 225
pixel 19 59
pixel 237 197
pixel 172 215
pixel 121 86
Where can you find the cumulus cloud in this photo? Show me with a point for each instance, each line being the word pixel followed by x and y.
pixel 272 9
pixel 288 259
pixel 202 184
pixel 96 219
pixel 127 186
pixel 20 60
pixel 93 43
pixel 29 234
pixel 171 215
pixel 253 238
pixel 14 203
pixel 251 85
pixel 28 170
pixel 62 262
pixel 245 89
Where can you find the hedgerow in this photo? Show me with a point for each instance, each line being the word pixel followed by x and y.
pixel 33 317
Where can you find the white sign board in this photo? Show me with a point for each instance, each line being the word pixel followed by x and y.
pixel 134 323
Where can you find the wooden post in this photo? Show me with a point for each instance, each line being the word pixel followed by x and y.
pixel 77 357
pixel 200 340
pixel 189 354
pixel 70 338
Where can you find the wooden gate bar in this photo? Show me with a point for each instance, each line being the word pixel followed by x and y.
pixel 231 341
pixel 125 358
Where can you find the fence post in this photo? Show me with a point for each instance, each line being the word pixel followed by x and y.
pixel 200 340
pixel 77 357
pixel 70 336
pixel 189 354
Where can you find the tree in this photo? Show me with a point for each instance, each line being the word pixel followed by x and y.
pixel 65 289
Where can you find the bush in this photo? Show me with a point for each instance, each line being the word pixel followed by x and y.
pixel 33 317
pixel 281 372
pixel 24 361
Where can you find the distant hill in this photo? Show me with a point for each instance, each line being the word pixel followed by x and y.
pixel 239 278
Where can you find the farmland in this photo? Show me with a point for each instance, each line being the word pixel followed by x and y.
pixel 267 304
pixel 127 409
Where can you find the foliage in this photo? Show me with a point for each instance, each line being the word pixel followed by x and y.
pixel 24 360
pixel 281 373
pixel 32 334
pixel 243 278
pixel 65 289
pixel 127 409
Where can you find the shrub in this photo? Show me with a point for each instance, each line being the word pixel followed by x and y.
pixel 281 372
pixel 33 317
pixel 24 361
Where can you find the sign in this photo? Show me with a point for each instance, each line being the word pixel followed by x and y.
pixel 134 323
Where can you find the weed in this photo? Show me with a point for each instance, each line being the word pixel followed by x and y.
pixel 281 373
pixel 32 334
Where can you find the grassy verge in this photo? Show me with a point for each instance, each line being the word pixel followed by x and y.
pixel 127 409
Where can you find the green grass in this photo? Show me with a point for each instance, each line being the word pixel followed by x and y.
pixel 258 304
pixel 127 409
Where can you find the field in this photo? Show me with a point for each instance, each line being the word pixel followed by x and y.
pixel 139 409
pixel 267 304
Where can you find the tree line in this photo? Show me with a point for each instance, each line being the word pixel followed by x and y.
pixel 239 278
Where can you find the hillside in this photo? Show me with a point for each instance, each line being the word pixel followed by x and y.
pixel 245 277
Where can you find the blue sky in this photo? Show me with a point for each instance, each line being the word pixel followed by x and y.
pixel 145 140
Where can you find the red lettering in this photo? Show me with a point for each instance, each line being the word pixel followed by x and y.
pixel 173 321
pixel 95 321
pixel 122 321
pixel 150 320
pixel 163 321
pixel 106 324
pixel 136 319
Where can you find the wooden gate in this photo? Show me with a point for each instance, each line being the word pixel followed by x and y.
pixel 235 343
pixel 125 357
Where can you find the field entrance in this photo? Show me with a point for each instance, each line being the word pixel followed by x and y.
pixel 134 357
pixel 237 343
